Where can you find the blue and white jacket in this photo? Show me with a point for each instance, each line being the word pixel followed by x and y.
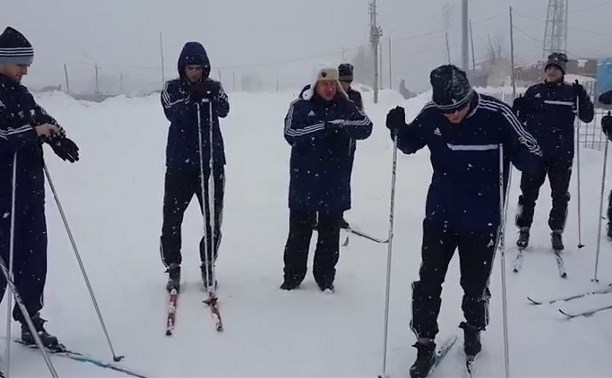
pixel 464 192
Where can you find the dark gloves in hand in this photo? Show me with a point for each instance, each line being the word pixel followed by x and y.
pixel 205 89
pixel 522 105
pixel 396 119
pixel 65 148
pixel 606 125
pixel 579 89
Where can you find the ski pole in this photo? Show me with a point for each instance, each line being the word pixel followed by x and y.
pixel 580 245
pixel 503 201
pixel 81 265
pixel 9 303
pixel 389 252
pixel 603 184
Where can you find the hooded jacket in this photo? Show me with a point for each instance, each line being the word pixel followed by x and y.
pixel 183 149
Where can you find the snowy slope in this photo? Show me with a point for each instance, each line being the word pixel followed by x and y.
pixel 113 200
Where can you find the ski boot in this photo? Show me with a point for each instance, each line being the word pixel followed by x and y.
pixel 556 240
pixel 174 277
pixel 48 340
pixel 609 231
pixel 425 358
pixel 207 279
pixel 471 339
pixel 343 223
pixel 523 240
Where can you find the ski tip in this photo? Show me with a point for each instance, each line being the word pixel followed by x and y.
pixel 533 301
pixel 168 333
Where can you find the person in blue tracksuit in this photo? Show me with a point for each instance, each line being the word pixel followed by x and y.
pixel 345 70
pixel 464 131
pixel 319 126
pixel 548 111
pixel 180 98
pixel 24 127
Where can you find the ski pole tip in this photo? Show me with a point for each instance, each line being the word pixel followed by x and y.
pixel 119 358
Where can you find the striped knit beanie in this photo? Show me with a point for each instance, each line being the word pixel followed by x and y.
pixel 15 48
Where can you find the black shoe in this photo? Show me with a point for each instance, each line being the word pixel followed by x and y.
pixel 425 358
pixel 47 339
pixel 471 339
pixel 174 277
pixel 289 285
pixel 327 289
pixel 523 240
pixel 207 278
pixel 556 240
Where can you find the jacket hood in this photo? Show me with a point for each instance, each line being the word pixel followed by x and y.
pixel 193 53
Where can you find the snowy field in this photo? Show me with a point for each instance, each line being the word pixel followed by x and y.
pixel 113 200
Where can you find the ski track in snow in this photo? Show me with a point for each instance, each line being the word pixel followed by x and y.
pixel 113 201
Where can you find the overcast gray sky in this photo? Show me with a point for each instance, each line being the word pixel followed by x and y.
pixel 122 36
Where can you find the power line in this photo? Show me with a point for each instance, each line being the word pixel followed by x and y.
pixel 607 3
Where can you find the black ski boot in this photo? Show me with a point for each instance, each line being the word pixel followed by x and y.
pixel 207 278
pixel 556 240
pixel 343 223
pixel 471 339
pixel 289 285
pixel 174 277
pixel 47 339
pixel 523 240
pixel 609 231
pixel 425 358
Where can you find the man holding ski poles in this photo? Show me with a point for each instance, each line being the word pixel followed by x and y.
pixel 24 126
pixel 466 132
pixel 188 155
pixel 548 110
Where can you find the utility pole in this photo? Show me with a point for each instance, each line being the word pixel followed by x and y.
pixel 67 81
pixel 161 50
pixel 97 81
pixel 465 60
pixel 472 45
pixel 390 64
pixel 375 34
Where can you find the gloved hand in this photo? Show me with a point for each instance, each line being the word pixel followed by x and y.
pixel 579 89
pixel 65 148
pixel 396 119
pixel 606 125
pixel 205 89
pixel 522 105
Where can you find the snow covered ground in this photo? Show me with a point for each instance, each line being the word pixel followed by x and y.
pixel 113 200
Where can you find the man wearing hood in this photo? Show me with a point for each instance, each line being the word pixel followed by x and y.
pixel 548 110
pixel 24 126
pixel 179 99
pixel 319 127
pixel 464 131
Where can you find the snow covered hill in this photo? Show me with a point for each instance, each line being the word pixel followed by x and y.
pixel 113 200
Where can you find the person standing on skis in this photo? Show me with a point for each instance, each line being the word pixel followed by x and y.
pixel 548 111
pixel 319 126
pixel 464 131
pixel 606 125
pixel 24 127
pixel 345 71
pixel 179 99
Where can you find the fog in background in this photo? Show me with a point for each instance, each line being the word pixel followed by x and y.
pixel 275 43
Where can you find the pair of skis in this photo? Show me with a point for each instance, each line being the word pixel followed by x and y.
pixel 584 313
pixel 212 302
pixel 518 262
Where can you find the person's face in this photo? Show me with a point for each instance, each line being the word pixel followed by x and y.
pixel 193 72
pixel 14 71
pixel 326 89
pixel 458 115
pixel 553 74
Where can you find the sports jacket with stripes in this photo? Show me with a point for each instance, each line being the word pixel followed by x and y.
pixel 464 192
pixel 550 117
pixel 319 133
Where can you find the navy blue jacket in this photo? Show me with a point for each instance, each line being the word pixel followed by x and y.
pixel 182 149
pixel 19 113
pixel 319 133
pixel 550 115
pixel 463 195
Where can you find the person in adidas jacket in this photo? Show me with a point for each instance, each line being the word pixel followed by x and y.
pixel 180 98
pixel 464 131
pixel 319 126
pixel 549 110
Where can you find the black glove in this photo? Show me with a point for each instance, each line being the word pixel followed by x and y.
pixel 65 148
pixel 606 125
pixel 579 89
pixel 205 89
pixel 522 105
pixel 396 119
